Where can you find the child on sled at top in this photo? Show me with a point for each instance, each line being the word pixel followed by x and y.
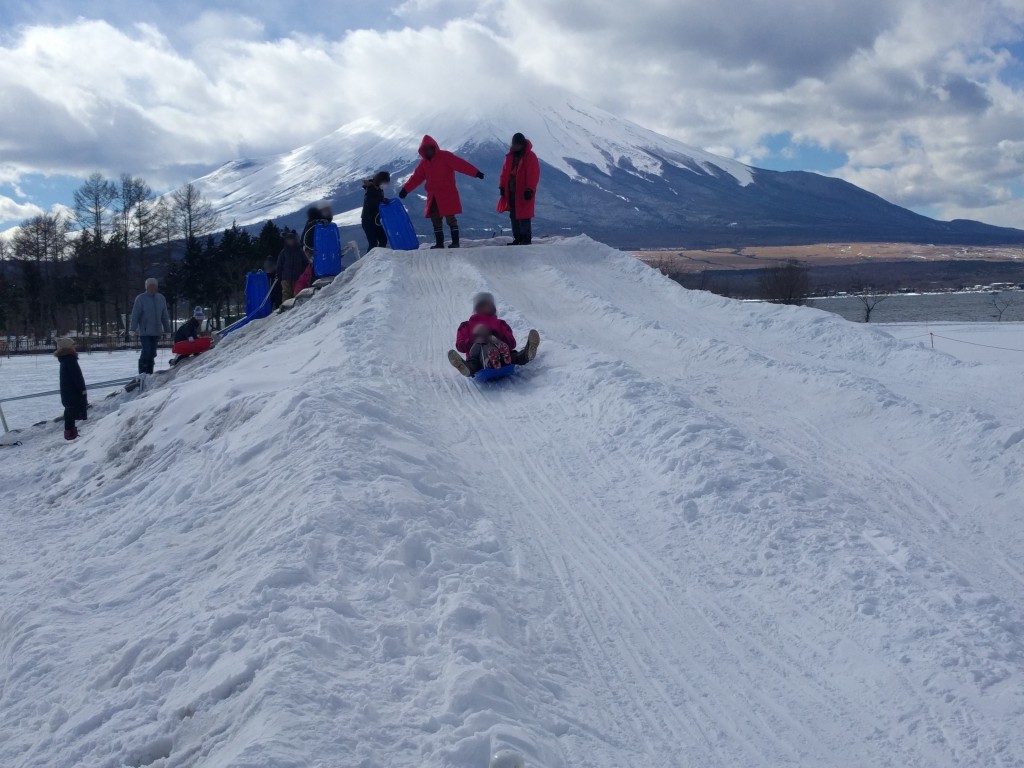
pixel 487 341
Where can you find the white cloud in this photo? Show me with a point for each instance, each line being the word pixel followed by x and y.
pixel 909 90
pixel 12 210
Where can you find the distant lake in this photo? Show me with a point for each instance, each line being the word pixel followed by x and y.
pixel 925 308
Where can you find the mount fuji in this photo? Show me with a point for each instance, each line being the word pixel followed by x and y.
pixel 601 175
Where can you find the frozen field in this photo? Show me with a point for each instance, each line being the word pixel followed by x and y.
pixel 694 533
pixel 25 374
pixel 995 344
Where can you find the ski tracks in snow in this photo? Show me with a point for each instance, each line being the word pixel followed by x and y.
pixel 676 539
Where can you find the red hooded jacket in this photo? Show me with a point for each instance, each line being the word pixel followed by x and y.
pixel 527 176
pixel 439 173
pixel 464 338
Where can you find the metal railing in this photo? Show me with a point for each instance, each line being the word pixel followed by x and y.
pixel 52 392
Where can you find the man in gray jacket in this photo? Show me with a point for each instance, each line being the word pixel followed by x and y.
pixel 150 320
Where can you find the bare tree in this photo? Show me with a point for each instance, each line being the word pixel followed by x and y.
pixel 41 243
pixel 132 223
pixel 1002 301
pixel 194 214
pixel 870 300
pixel 788 283
pixel 92 204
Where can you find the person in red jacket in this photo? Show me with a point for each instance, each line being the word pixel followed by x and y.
pixel 485 312
pixel 518 186
pixel 438 168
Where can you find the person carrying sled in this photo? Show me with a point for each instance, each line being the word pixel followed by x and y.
pixel 73 394
pixel 437 168
pixel 376 237
pixel 317 214
pixel 485 350
pixel 291 263
pixel 518 187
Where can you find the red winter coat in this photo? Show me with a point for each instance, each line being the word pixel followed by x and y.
pixel 439 173
pixel 527 176
pixel 464 338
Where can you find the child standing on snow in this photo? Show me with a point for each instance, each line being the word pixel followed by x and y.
pixel 485 314
pixel 73 394
pixel 437 168
pixel 375 234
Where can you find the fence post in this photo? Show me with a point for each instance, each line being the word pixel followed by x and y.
pixel 933 339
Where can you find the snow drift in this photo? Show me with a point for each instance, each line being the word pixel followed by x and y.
pixel 693 533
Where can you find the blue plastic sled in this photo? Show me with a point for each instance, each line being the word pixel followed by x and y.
pixel 326 250
pixel 398 227
pixel 494 374
pixel 257 286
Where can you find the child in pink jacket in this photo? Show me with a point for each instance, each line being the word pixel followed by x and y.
pixel 485 318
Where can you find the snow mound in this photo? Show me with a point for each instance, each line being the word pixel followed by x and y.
pixel 693 532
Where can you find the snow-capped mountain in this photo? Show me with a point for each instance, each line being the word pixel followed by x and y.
pixel 602 175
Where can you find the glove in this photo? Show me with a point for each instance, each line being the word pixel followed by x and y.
pixel 479 174
pixel 191 339
pixel 501 191
pixel 528 194
pixel 403 194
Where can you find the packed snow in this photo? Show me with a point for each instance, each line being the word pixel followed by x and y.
pixel 566 131
pixel 694 532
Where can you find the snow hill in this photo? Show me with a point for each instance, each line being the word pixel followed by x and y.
pixel 601 175
pixel 695 532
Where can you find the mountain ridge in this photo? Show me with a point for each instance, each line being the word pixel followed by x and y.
pixel 601 175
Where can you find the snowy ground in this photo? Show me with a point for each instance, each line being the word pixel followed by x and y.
pixel 996 344
pixel 694 533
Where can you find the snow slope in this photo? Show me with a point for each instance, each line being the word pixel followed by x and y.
pixel 694 533
pixel 567 132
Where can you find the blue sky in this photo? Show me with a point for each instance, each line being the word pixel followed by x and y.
pixel 921 101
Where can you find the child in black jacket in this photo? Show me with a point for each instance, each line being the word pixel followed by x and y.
pixel 73 395
pixel 375 234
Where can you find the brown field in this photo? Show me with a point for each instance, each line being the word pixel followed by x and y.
pixel 826 254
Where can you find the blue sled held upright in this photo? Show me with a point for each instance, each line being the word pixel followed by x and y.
pixel 326 250
pixel 398 226
pixel 494 374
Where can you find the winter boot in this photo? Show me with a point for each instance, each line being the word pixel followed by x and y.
pixel 71 434
pixel 532 342
pixel 459 363
pixel 455 238
pixel 526 232
pixel 438 239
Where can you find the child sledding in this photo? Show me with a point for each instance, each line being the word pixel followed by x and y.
pixel 485 346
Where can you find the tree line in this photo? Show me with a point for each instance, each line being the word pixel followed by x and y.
pixel 80 269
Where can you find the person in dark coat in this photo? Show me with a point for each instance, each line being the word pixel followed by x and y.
pixel 192 328
pixel 518 186
pixel 73 394
pixel 376 237
pixel 291 263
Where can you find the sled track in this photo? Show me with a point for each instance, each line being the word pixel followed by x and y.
pixel 628 613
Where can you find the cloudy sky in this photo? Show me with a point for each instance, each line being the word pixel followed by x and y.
pixel 921 101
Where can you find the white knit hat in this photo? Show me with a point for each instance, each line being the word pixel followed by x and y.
pixel 65 342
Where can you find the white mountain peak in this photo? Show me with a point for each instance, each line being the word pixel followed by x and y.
pixel 565 131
